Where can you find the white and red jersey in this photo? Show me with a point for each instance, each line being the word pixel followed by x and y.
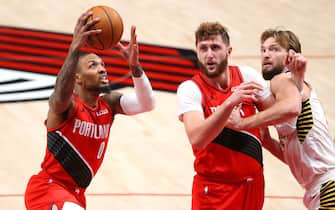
pixel 76 148
pixel 232 156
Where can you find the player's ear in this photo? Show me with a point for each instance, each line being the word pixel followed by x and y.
pixel 78 79
pixel 289 56
pixel 229 50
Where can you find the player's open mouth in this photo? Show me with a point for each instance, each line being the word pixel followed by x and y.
pixel 104 79
pixel 211 65
pixel 267 65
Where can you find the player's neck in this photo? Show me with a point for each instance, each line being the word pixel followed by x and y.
pixel 89 98
pixel 222 81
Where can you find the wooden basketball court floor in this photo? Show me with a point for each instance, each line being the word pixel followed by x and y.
pixel 149 163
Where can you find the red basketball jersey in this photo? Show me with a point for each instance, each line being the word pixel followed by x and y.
pixel 232 156
pixel 76 148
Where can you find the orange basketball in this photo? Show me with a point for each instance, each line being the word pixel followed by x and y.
pixel 111 25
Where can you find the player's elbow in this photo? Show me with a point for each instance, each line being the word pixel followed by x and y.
pixel 58 105
pixel 145 105
pixel 198 143
pixel 290 109
pixel 294 111
pixel 132 104
pixel 149 105
pixel 197 146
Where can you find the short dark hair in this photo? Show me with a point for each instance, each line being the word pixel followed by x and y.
pixel 286 39
pixel 208 29
pixel 83 53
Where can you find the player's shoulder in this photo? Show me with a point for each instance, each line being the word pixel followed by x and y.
pixel 188 88
pixel 187 84
pixel 279 81
pixel 250 74
pixel 285 76
pixel 247 70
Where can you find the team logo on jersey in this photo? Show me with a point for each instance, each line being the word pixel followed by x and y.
pixel 31 59
pixel 102 112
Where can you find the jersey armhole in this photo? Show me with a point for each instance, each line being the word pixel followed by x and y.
pixel 196 85
pixel 113 113
pixel 200 91
pixel 70 117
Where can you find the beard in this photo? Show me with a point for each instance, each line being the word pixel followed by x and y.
pixel 221 67
pixel 269 74
pixel 99 89
pixel 105 89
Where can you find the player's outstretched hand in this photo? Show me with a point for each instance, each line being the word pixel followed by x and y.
pixel 82 30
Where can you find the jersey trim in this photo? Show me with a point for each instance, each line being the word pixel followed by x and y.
pixel 70 159
pixel 240 142
pixel 305 121
pixel 327 195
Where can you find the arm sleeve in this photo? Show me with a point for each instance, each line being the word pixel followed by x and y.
pixel 140 101
pixel 188 98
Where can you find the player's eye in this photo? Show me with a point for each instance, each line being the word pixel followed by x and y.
pixel 215 47
pixel 203 48
pixel 274 49
pixel 92 65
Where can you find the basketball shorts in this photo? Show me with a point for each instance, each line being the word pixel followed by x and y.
pixel 246 195
pixel 44 193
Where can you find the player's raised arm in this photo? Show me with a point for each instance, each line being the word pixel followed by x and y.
pixel 142 100
pixel 61 98
pixel 297 63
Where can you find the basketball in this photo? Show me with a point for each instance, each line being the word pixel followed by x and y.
pixel 111 26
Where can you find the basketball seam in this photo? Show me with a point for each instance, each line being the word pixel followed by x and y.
pixel 98 37
pixel 101 43
pixel 111 24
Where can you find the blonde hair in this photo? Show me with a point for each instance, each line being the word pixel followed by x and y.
pixel 286 39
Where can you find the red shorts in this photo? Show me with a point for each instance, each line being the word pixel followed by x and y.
pixel 246 195
pixel 43 192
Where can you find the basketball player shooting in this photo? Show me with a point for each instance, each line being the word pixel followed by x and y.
pixel 79 121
